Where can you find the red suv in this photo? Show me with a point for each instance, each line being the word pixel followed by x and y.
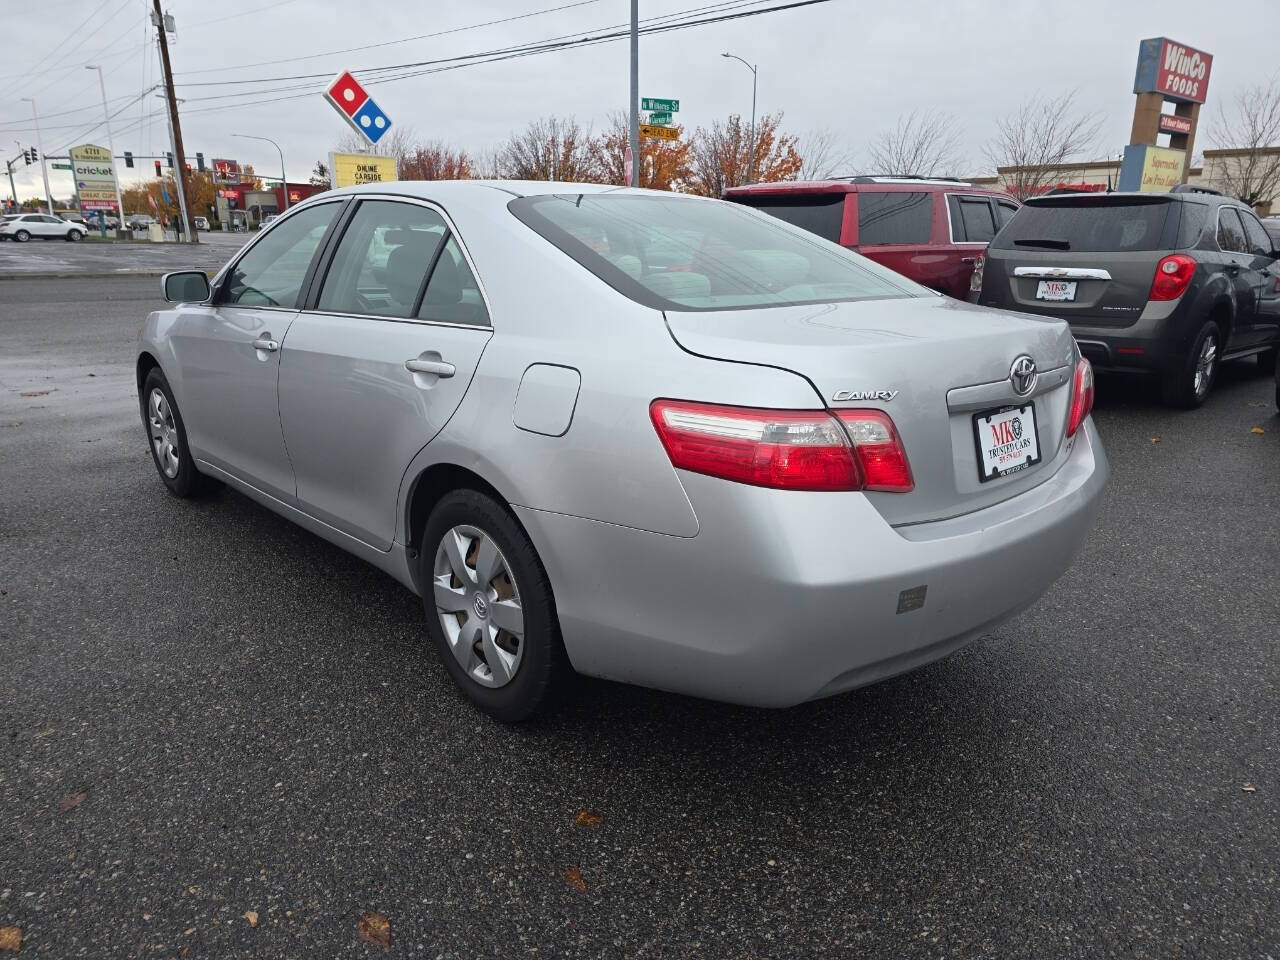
pixel 933 231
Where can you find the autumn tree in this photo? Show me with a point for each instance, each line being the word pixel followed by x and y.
pixel 1040 135
pixel 549 148
pixel 721 157
pixel 919 145
pixel 664 164
pixel 434 161
pixel 1250 133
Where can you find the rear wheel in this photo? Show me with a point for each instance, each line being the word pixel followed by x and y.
pixel 489 608
pixel 168 439
pixel 22 236
pixel 1188 385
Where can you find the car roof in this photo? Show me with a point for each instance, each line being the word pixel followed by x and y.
pixel 863 184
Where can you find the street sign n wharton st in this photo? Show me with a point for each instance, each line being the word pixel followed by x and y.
pixel 351 100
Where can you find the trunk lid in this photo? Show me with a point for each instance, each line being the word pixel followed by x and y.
pixel 943 361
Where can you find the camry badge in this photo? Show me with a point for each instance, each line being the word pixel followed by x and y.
pixel 882 395
pixel 1023 376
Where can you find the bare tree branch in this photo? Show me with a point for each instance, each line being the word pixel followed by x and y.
pixel 921 145
pixel 1251 132
pixel 824 155
pixel 398 143
pixel 1038 136
pixel 549 148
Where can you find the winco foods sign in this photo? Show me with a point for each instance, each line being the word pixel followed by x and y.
pixel 1173 70
pixel 95 177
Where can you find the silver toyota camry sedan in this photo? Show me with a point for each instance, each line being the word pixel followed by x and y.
pixel 660 439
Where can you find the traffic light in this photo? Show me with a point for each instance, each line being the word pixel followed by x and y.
pixel 158 169
pixel 200 162
pixel 128 159
pixel 169 160
pixel 35 157
pixel 26 155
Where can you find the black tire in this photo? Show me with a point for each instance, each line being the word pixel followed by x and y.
pixel 74 235
pixel 186 481
pixel 1267 362
pixel 1178 388
pixel 543 676
pixel 22 236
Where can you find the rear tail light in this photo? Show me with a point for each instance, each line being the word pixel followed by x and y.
pixel 1081 396
pixel 784 449
pixel 1173 276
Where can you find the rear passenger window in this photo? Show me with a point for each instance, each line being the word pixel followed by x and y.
pixel 971 220
pixel 380 267
pixel 1259 242
pixel 453 296
pixel 898 217
pixel 1005 211
pixel 1230 232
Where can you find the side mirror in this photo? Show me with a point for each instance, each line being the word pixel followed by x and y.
pixel 186 286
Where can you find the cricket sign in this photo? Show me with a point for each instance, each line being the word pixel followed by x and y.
pixel 352 101
pixel 353 169
pixel 95 177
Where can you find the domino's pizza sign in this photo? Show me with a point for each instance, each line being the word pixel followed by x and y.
pixel 357 107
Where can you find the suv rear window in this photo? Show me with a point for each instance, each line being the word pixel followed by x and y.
pixel 674 253
pixel 894 217
pixel 1090 226
pixel 822 214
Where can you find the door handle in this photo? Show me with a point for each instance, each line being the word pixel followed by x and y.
pixel 968 259
pixel 438 367
pixel 265 343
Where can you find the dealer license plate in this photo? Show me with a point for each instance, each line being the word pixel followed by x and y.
pixel 1056 290
pixel 1007 441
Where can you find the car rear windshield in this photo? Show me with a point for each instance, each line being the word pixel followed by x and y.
pixel 685 254
pixel 1091 225
pixel 822 214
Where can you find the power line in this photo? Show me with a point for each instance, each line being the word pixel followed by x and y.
pixel 242 13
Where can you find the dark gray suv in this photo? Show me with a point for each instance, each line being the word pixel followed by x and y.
pixel 1165 283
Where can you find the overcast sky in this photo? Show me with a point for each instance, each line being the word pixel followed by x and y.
pixel 852 66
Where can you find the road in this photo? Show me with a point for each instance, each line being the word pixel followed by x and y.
pixel 207 711
pixel 91 258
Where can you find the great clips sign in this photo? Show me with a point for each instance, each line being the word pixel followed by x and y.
pixel 1174 71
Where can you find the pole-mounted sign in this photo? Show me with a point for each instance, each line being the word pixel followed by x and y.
pixel 656 103
pixel 357 107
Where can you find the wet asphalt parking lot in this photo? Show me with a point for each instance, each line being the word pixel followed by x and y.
pixel 210 716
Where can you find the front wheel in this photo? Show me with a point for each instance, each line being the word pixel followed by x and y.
pixel 168 439
pixel 489 608
pixel 74 235
pixel 1188 385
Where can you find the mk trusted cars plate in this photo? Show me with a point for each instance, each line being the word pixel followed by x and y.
pixel 1007 441
pixel 1056 290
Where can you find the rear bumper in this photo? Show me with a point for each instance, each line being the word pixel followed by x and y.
pixel 784 597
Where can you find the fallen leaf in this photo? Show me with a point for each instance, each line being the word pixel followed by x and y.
pixel 252 917
pixel 34 393
pixel 1257 431
pixel 71 801
pixel 1249 788
pixel 1155 439
pixel 573 876
pixel 773 863
pixel 588 818
pixel 11 939
pixel 189 931
pixel 374 928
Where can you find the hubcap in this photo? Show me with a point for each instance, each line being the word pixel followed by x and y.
pixel 164 433
pixel 1204 365
pixel 479 606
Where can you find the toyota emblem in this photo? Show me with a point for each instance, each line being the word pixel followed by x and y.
pixel 1022 375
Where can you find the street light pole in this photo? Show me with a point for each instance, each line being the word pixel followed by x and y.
pixel 106 118
pixel 754 78
pixel 633 137
pixel 284 184
pixel 44 171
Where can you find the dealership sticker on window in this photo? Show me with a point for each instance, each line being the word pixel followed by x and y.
pixel 1007 441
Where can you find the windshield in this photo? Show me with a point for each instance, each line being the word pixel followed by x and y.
pixel 1088 225
pixel 675 253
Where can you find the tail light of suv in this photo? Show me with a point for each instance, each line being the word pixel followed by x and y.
pixel 1081 396
pixel 1173 276
pixel 784 449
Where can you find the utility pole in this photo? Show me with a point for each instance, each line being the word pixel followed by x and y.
pixel 44 170
pixel 633 175
pixel 12 189
pixel 175 129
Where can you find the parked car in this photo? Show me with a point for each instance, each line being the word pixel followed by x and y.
pixel 656 438
pixel 139 221
pixel 1165 283
pixel 270 218
pixel 933 231
pixel 40 226
pixel 202 223
pixel 1272 226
